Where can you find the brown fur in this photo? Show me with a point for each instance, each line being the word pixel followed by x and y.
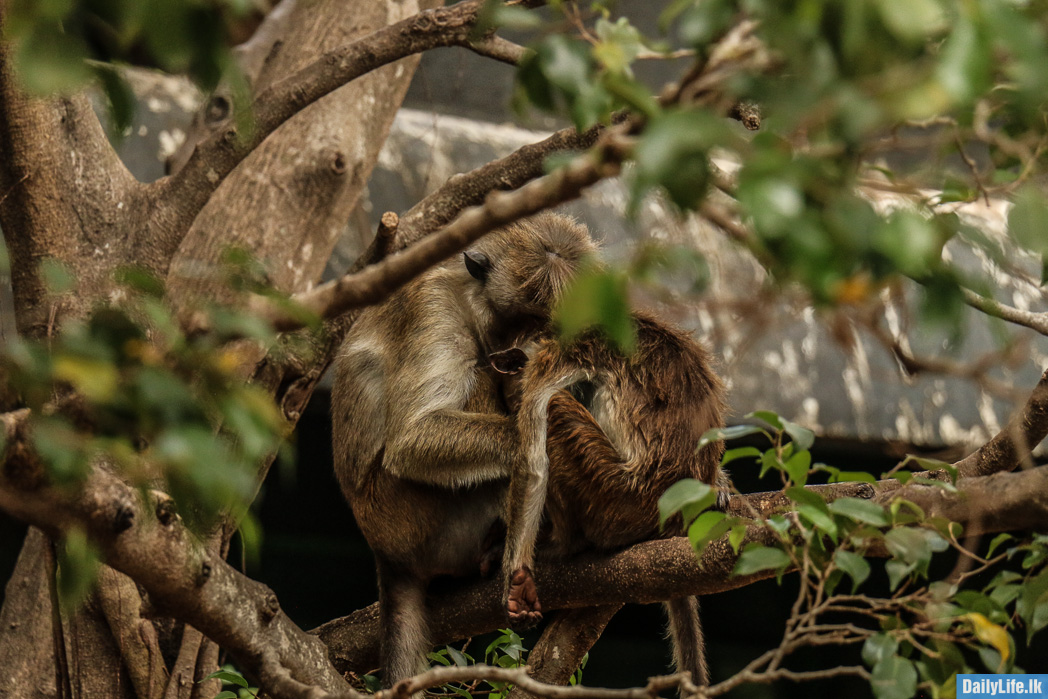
pixel 423 447
pixel 612 454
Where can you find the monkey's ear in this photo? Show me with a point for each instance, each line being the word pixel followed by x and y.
pixel 477 264
pixel 509 361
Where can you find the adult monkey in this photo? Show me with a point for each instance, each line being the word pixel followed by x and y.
pixel 423 446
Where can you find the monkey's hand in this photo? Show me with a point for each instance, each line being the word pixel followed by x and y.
pixel 524 607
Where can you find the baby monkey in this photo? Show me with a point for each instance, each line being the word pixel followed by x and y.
pixel 606 434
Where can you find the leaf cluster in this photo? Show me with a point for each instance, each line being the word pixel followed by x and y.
pixel 926 632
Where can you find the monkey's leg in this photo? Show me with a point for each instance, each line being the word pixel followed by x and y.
pixel 689 645
pixel 402 619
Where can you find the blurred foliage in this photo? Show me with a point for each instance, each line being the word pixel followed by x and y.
pixel 841 79
pixel 928 631
pixel 126 386
pixel 60 45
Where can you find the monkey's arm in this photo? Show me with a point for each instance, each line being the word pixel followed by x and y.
pixel 454 448
pixel 546 374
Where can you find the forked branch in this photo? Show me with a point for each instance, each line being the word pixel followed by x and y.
pixel 182 196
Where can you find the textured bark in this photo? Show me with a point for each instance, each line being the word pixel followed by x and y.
pixel 146 541
pixel 295 192
pixel 659 570
pixel 65 195
pixel 26 652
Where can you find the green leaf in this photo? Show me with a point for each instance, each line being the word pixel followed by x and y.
pixel 878 648
pixel 704 22
pixel 228 677
pixel 684 493
pixel 57 277
pixel 797 467
pixel 119 97
pixel 913 20
pixel 894 678
pixel 372 683
pixel 739 453
pixel 707 527
pixel 897 572
pixel 757 558
pixel 914 545
pixel 1028 220
pixel 860 511
pixel 803 496
pixel 597 298
pixel 96 380
pixel 735 538
pixel 49 60
pixel 997 541
pixel 767 416
pixel 226 694
pixel 854 565
pixel 852 477
pixel 726 433
pixel 620 44
pixel 513 17
pixel 673 154
pixel 802 437
pixel 458 656
pixel 819 518
pixel 1032 605
pixel 440 656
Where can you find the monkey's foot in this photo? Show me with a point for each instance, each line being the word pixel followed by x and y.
pixel 524 606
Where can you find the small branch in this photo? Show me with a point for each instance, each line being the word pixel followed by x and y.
pixel 792 675
pixel 520 677
pixel 1027 319
pixel 470 189
pixel 500 49
pixel 912 364
pixel 1013 444
pixel 181 197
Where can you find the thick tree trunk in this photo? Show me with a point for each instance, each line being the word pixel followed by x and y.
pixel 67 196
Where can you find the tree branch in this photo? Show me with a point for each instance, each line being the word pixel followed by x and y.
pixel 148 542
pixel 182 196
pixel 1013 444
pixel 374 283
pixel 1027 319
pixel 654 571
pixel 470 189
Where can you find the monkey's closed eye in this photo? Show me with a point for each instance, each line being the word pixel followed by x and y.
pixel 477 264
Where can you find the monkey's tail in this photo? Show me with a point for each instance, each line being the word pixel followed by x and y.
pixel 685 632
pixel 402 620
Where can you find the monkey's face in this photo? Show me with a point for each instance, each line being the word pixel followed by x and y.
pixel 525 267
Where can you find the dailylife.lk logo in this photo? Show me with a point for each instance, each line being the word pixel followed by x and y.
pixel 982 686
